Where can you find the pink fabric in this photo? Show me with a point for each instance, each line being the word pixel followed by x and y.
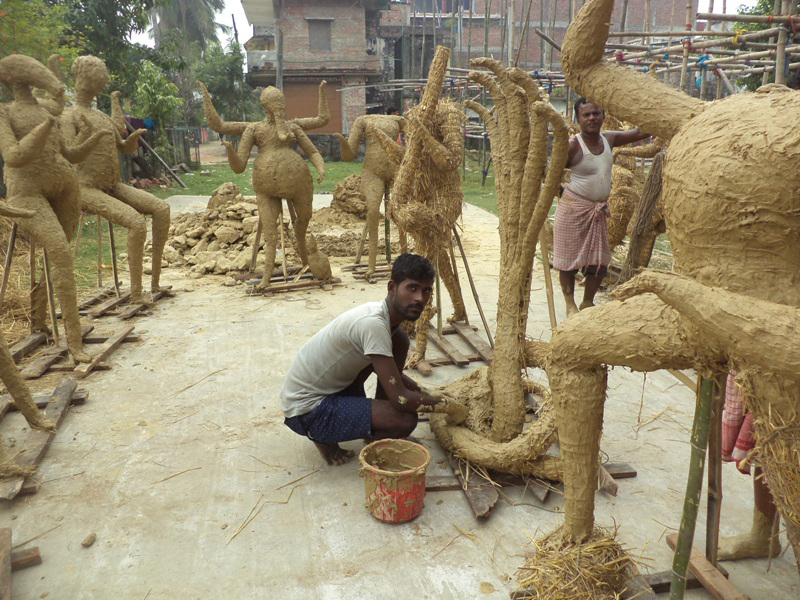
pixel 737 426
pixel 580 233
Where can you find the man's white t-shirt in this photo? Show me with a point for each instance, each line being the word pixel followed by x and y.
pixel 332 359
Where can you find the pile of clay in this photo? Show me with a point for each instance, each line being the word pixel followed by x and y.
pixel 219 240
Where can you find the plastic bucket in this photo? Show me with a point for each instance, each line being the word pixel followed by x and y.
pixel 394 479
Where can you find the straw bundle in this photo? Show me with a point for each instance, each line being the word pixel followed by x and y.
pixel 16 303
pixel 594 570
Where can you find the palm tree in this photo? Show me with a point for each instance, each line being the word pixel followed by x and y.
pixel 192 22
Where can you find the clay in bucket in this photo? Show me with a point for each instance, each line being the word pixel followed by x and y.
pixel 394 479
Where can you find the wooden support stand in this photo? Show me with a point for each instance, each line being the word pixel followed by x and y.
pixel 481 351
pixel 291 286
pixel 37 442
pixel 13 561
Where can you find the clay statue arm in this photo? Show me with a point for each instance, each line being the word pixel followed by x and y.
pixel 20 153
pixel 116 114
pixel 349 147
pixel 86 140
pixel 622 138
pixel 323 112
pixel 402 398
pixel 55 103
pixel 445 154
pixel 15 213
pixel 129 145
pixel 393 151
pixel 310 151
pixel 729 320
pixel 213 118
pixel 646 151
pixel 238 161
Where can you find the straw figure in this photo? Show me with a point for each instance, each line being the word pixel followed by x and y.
pixel 493 436
pixel 426 196
pixel 378 171
pixel 731 192
pixel 40 178
pixel 102 192
pixel 278 171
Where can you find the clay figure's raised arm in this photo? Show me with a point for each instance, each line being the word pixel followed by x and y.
pixel 323 112
pixel 54 104
pixel 447 153
pixel 213 118
pixel 349 146
pixel 19 153
pixel 238 160
pixel 130 143
pixel 646 151
pixel 310 151
pixel 393 151
pixel 85 142
pixel 117 118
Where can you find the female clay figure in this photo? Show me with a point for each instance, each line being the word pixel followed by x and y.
pixel 102 191
pixel 39 176
pixel 278 172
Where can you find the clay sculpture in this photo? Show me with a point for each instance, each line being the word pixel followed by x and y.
pixel 426 196
pixel 378 171
pixel 278 171
pixel 494 435
pixel 731 191
pixel 40 178
pixel 102 192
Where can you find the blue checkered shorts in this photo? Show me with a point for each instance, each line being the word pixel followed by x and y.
pixel 338 418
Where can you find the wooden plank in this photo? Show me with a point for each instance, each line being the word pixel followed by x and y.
pixel 137 308
pixel 97 298
pixel 22 559
pixel 453 353
pixel 41 400
pixel 356 266
pixel 37 442
pixel 442 483
pixel 31 486
pixel 482 497
pixel 638 589
pixel 83 370
pixel 606 483
pixel 27 345
pixel 108 305
pixel 660 582
pixel 39 365
pixel 443 361
pixel 473 339
pixel 102 339
pixel 707 574
pixel 538 487
pixel 300 285
pixel 5 564
pixel 620 470
pixel 70 368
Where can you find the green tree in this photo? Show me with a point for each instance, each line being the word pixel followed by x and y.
pixel 223 75
pixel 157 98
pixel 37 28
pixel 762 7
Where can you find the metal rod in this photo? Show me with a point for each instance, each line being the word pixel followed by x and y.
pixel 12 240
pixel 113 257
pixel 51 300
pixel 283 247
pixel 472 286
pixel 544 243
pixel 99 253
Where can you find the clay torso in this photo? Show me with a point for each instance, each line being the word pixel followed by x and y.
pixel 278 170
pixel 45 174
pixel 101 168
pixel 727 227
pixel 375 157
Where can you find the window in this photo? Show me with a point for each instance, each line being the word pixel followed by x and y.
pixel 319 35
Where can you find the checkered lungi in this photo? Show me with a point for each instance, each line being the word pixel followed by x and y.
pixel 580 233
pixel 737 427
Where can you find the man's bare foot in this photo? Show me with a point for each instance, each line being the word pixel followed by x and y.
pixel 333 454
pixel 586 304
pixel 572 308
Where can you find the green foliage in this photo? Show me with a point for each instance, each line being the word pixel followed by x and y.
pixel 762 7
pixel 37 28
pixel 223 75
pixel 156 97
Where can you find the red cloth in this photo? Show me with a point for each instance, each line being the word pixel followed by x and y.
pixel 580 233
pixel 737 426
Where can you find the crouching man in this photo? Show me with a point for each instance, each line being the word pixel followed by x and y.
pixel 323 394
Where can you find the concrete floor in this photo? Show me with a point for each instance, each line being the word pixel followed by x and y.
pixel 200 394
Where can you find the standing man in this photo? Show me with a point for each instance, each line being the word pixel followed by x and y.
pixel 323 394
pixel 580 234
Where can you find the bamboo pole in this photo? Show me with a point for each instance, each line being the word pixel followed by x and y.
pixel 694 486
pixel 113 257
pixel 686 47
pixel 776 10
pixel 12 240
pixel 791 67
pixel 99 253
pixel 455 274
pixel 78 236
pixel 780 56
pixel 729 41
pixel 544 244
pixel 435 2
pixel 668 33
pixel 784 18
pixel 714 502
pixel 524 32
pixel 541 39
pixel 387 236
pixel 624 15
pixel 51 299
pixel 438 298
pixel 551 31
pixel 547 39
pixel 422 52
pixel 472 287
pixel 283 249
pixel 413 38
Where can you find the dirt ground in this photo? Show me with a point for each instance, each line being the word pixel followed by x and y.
pixel 182 442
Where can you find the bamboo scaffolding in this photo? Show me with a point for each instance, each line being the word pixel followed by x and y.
pixel 729 41
pixel 776 10
pixel 686 47
pixel 791 67
pixel 783 34
pixel 669 34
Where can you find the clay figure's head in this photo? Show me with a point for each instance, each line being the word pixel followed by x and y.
pixel 411 286
pixel 91 75
pixel 589 116
pixel 22 73
pixel 273 102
